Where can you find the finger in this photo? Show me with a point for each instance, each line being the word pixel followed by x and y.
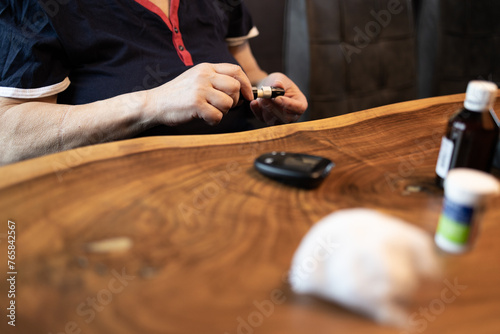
pixel 210 114
pixel 271 119
pixel 220 100
pixel 257 110
pixel 271 112
pixel 291 105
pixel 237 73
pixel 228 85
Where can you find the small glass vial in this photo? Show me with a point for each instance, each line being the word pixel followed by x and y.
pixel 466 192
pixel 471 134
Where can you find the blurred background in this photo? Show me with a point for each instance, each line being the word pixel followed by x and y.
pixel 350 55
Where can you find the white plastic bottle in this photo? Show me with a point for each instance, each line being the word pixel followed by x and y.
pixel 466 192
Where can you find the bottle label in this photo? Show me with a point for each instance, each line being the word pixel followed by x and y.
pixel 455 222
pixel 444 158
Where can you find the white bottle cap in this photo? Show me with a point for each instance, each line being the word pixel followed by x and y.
pixel 480 95
pixel 470 187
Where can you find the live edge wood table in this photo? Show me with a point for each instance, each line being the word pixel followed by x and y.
pixel 212 239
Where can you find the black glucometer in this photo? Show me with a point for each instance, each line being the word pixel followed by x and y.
pixel 298 169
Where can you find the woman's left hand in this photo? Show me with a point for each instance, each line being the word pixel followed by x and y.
pixel 282 109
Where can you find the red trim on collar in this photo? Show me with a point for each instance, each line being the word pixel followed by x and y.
pixel 172 24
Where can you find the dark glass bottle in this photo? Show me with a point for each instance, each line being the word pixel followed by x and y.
pixel 471 133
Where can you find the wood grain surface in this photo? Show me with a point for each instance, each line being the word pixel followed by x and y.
pixel 212 239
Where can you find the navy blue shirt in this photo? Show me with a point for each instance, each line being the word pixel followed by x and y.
pixel 86 50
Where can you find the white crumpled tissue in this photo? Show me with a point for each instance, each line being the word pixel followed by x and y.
pixel 366 261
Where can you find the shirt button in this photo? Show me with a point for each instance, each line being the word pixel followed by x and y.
pixel 176 30
pixel 181 48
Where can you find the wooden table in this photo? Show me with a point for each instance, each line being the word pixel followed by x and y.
pixel 213 239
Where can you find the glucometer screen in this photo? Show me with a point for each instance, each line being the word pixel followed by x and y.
pixel 305 164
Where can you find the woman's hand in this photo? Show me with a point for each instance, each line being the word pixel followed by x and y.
pixel 206 91
pixel 283 109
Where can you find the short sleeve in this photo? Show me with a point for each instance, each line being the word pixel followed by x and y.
pixel 32 61
pixel 241 25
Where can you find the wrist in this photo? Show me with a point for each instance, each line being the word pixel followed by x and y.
pixel 141 108
pixel 271 79
pixel 257 77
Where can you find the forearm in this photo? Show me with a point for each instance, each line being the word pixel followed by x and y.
pixel 244 56
pixel 30 129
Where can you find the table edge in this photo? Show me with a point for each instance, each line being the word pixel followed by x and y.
pixel 62 161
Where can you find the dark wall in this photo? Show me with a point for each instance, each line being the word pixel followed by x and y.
pixel 268 17
pixel 458 41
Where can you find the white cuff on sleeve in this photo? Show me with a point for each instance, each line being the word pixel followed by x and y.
pixel 235 41
pixel 33 93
